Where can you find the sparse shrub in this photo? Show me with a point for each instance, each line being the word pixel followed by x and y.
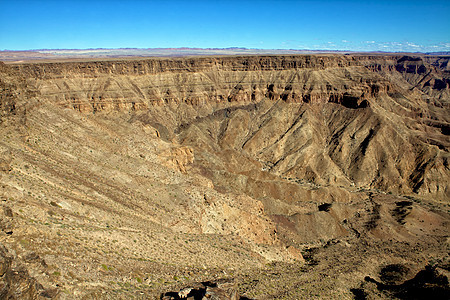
pixel 24 242
pixel 53 203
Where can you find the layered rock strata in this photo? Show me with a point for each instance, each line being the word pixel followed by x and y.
pixel 168 171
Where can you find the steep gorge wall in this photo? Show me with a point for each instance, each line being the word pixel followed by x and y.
pixel 139 84
pixel 216 167
pixel 388 131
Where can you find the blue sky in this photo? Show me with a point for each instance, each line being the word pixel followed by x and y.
pixel 333 25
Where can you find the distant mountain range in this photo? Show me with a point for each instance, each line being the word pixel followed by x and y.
pixel 52 54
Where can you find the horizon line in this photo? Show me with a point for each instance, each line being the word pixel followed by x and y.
pixel 217 48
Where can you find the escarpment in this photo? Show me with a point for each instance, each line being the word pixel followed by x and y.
pixel 125 85
pixel 346 120
pixel 138 84
pixel 135 178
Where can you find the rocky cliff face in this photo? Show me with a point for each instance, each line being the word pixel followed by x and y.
pixel 389 130
pixel 200 80
pixel 215 163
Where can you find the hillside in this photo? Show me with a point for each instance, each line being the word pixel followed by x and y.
pixel 289 176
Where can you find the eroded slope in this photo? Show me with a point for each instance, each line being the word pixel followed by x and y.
pixel 134 177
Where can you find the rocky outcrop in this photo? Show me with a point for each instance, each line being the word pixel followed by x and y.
pixel 178 158
pixel 215 290
pixel 6 221
pixel 8 93
pixel 15 281
pixel 14 92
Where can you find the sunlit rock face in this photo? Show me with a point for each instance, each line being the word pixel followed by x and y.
pixel 372 121
pixel 164 168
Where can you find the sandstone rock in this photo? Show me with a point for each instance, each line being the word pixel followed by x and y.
pixel 5 165
pixel 179 158
pixel 15 281
pixel 6 220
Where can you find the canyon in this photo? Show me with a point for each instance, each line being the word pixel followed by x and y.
pixel 275 177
